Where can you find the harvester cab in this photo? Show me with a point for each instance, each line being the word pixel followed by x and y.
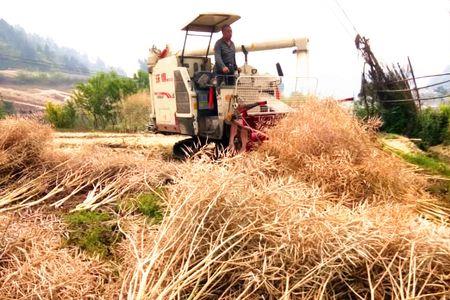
pixel 188 98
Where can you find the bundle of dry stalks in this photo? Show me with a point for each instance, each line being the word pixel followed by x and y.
pixel 139 239
pixel 35 265
pixel 22 144
pixel 278 224
pixel 134 112
pixel 323 144
pixel 34 173
pixel 319 212
pixel 235 233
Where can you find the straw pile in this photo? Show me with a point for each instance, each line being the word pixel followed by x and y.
pixel 322 144
pixel 235 234
pixel 33 263
pixel 22 144
pixel 32 173
pixel 320 211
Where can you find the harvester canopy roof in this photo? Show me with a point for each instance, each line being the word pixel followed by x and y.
pixel 211 22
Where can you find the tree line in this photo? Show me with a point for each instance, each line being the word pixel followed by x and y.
pixel 100 103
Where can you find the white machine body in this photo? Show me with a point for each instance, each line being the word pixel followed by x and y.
pixel 185 98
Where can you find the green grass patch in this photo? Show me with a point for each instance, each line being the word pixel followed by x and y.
pixel 390 136
pixel 92 231
pixel 432 164
pixel 149 204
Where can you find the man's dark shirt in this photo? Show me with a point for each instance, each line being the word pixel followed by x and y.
pixel 225 56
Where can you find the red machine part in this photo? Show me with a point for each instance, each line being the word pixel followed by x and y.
pixel 211 98
pixel 164 53
pixel 254 123
pixel 277 93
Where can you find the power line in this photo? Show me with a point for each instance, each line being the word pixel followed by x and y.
pixel 342 24
pixel 346 16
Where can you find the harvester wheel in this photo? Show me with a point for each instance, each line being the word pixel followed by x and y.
pixel 220 149
pixel 187 148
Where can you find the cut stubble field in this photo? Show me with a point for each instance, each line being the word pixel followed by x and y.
pixel 76 141
pixel 320 211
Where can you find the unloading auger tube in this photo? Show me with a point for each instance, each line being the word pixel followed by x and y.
pixel 301 45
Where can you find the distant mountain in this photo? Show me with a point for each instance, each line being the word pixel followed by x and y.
pixel 21 50
pixel 442 89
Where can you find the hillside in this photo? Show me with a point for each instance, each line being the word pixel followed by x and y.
pixel 28 91
pixel 35 70
pixel 21 50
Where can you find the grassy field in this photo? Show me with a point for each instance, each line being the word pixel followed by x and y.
pixel 321 210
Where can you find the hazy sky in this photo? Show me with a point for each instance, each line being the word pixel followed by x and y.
pixel 120 32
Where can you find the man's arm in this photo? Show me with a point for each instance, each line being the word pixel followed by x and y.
pixel 218 55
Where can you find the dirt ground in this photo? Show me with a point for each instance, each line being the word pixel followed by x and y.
pixel 32 96
pixel 442 151
pixel 402 144
pixel 71 141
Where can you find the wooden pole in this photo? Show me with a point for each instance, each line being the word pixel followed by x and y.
pixel 415 84
pixel 363 89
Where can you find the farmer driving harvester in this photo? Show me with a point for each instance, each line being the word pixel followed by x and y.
pixel 225 69
pixel 225 55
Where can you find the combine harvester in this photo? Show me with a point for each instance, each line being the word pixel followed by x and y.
pixel 187 98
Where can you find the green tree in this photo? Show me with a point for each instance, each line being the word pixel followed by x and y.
pixel 142 80
pixel 101 94
pixel 432 126
pixel 6 108
pixel 61 116
pixel 2 111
